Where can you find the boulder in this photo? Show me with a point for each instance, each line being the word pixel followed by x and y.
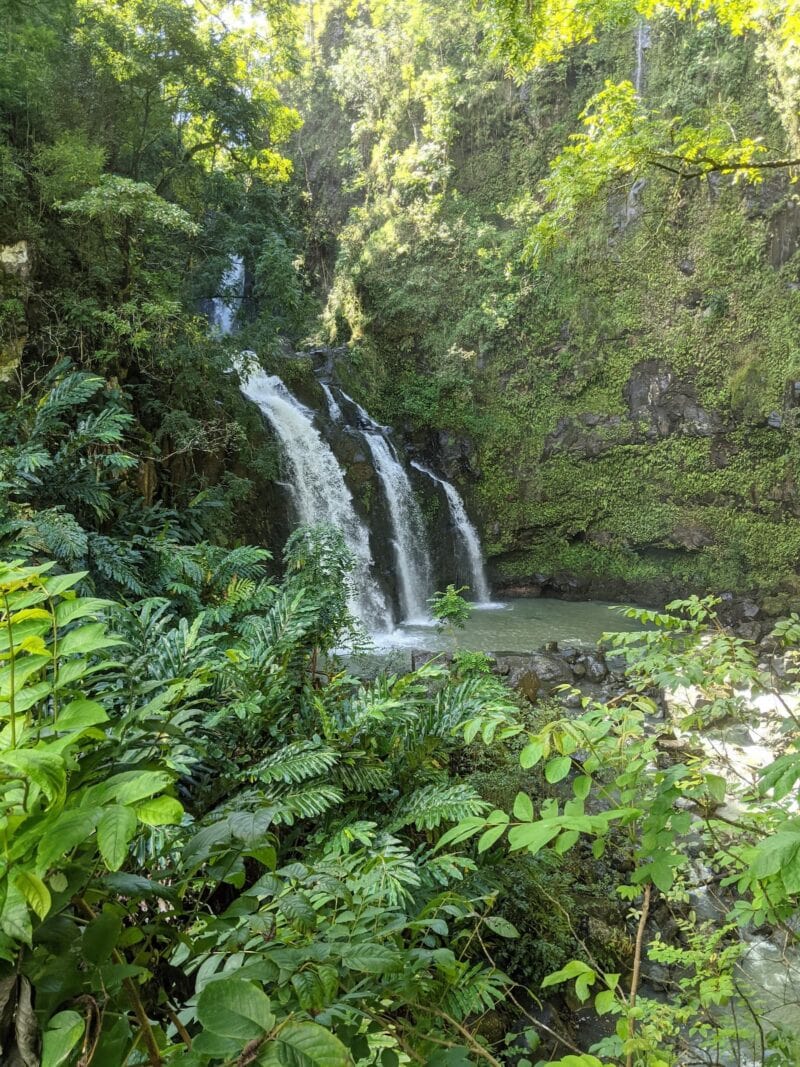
pixel 533 674
pixel 594 666
pixel 663 404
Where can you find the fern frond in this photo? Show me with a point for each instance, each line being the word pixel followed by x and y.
pixel 107 427
pixel 53 532
pixel 359 772
pixel 294 763
pixel 306 803
pixel 428 807
pixel 477 990
pixel 73 391
pixel 118 561
pixel 445 868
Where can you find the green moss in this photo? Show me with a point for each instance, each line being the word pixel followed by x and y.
pixel 458 333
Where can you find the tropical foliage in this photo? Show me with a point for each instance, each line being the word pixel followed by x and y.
pixel 219 845
pixel 187 864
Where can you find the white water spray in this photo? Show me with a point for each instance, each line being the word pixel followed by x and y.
pixel 334 410
pixel 225 306
pixel 466 533
pixel 409 539
pixel 642 43
pixel 318 488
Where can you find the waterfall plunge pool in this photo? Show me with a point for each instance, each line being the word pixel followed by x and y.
pixel 518 625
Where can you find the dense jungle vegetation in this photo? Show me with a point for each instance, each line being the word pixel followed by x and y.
pixel 560 244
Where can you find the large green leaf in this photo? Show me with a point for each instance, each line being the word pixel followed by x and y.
pixel 557 768
pixel 59 583
pixel 231 1007
pixel 370 958
pixel 23 667
pixel 69 610
pixel 133 786
pixel 34 890
pixel 60 836
pixel 63 1033
pixel 532 836
pixel 114 833
pixel 160 811
pixel 86 639
pixel 44 769
pixel 101 935
pixel 502 927
pixel 79 714
pixel 15 918
pixel 304 1044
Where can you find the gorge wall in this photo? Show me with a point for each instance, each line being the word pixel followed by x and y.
pixel 622 415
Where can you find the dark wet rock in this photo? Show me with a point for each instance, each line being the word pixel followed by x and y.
pixel 526 683
pixel 534 674
pixel 691 537
pixel 748 609
pixel 587 435
pixel 784 233
pixel 665 404
pixel 456 454
pixel 594 666
pixel 775 420
pixel 529 589
pixel 659 404
pixel 548 667
pixel 570 652
pixel 616 665
pixel 687 267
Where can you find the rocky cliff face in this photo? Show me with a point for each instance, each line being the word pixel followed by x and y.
pixel 622 418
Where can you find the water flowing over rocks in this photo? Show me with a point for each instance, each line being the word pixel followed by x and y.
pixel 343 468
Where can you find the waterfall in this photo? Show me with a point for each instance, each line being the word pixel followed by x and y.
pixel 318 488
pixel 225 306
pixel 366 418
pixel 642 43
pixel 408 529
pixel 466 533
pixel 409 537
pixel 334 410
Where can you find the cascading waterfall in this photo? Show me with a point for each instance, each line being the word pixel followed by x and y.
pixel 642 43
pixel 408 529
pixel 334 410
pixel 320 494
pixel 409 539
pixel 225 307
pixel 318 488
pixel 466 533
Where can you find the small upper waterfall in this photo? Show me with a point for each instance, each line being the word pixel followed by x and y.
pixel 642 43
pixel 226 305
pixel 466 533
pixel 409 539
pixel 318 488
pixel 334 410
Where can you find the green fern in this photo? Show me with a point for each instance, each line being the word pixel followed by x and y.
pixel 427 808
pixel 52 532
pixel 306 803
pixel 294 763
